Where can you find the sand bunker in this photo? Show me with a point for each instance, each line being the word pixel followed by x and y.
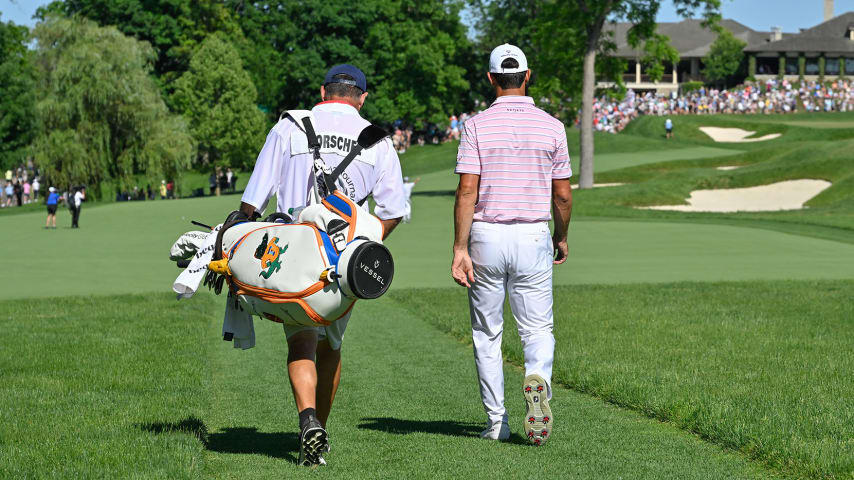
pixel 735 135
pixel 599 185
pixel 788 195
pixel 728 167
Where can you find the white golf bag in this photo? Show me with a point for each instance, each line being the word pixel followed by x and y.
pixel 309 272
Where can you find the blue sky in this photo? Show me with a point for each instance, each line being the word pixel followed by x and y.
pixel 791 15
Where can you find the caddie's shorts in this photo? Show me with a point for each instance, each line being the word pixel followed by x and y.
pixel 51 209
pixel 334 333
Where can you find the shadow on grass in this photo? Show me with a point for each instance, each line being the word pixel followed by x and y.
pixel 451 428
pixel 435 193
pixel 246 440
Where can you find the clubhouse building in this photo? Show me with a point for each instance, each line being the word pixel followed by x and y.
pixel 825 50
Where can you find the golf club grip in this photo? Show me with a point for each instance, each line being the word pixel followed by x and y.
pixel 183 263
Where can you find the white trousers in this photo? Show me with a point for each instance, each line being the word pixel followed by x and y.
pixel 513 259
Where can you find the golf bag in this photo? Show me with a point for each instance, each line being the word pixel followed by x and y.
pixel 309 272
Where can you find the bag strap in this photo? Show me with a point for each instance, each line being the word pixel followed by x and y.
pixel 325 181
pixel 325 185
pixel 368 137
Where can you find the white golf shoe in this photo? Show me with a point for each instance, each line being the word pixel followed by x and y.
pixel 538 417
pixel 497 431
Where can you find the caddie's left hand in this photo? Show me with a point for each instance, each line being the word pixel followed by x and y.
pixel 462 269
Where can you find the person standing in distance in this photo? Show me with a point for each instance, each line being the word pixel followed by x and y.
pixel 77 200
pixel 668 128
pixel 513 165
pixel 284 169
pixel 52 202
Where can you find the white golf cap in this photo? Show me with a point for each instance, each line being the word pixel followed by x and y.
pixel 51 189
pixel 502 52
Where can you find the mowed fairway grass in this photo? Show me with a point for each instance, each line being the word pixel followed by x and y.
pixel 688 345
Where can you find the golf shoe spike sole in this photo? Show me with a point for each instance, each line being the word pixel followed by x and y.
pixel 538 416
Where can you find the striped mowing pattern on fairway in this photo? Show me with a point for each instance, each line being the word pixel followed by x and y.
pixel 144 387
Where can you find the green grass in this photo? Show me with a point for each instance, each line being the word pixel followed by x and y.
pixel 751 378
pixel 141 386
pixel 123 248
pixel 760 367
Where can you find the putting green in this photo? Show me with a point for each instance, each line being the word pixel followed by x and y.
pixel 615 161
pixel 123 248
pixel 627 251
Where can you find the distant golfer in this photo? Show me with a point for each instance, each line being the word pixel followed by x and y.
pixel 52 202
pixel 76 200
pixel 668 128
pixel 513 165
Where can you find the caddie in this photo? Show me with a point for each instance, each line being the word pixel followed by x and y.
pixel 287 168
pixel 514 167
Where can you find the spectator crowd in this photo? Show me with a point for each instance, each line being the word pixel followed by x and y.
pixel 773 96
pixel 21 185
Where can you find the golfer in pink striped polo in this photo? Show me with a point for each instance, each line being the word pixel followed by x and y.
pixel 514 170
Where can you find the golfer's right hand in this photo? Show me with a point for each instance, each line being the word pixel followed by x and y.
pixel 462 269
pixel 561 251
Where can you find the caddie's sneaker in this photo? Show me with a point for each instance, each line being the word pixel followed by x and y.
pixel 538 419
pixel 496 431
pixel 312 443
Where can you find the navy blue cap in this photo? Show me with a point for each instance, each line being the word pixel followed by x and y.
pixel 347 69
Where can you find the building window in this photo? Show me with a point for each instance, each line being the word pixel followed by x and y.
pixel 791 65
pixel 831 66
pixel 849 66
pixel 768 65
pixel 811 67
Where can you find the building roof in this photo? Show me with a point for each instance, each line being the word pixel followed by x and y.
pixel 828 37
pixel 688 37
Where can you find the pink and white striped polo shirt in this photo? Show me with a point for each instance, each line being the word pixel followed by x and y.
pixel 517 149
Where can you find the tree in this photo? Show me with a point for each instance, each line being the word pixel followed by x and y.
pixel 583 28
pixel 100 114
pixel 17 98
pixel 724 58
pixel 173 27
pixel 218 99
pixel 415 54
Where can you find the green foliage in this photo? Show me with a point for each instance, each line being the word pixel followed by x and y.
pixel 414 53
pixel 174 28
pixel 691 86
pixel 218 99
pixel 725 57
pixel 657 52
pixel 563 32
pixel 100 115
pixel 17 97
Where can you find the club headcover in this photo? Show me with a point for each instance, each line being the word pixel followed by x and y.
pixel 370 136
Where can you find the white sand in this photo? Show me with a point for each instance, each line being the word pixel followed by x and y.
pixel 788 195
pixel 729 167
pixel 600 185
pixel 735 135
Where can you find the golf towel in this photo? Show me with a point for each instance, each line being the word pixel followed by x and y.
pixel 238 323
pixel 188 281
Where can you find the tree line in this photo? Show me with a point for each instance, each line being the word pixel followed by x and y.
pixel 108 90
